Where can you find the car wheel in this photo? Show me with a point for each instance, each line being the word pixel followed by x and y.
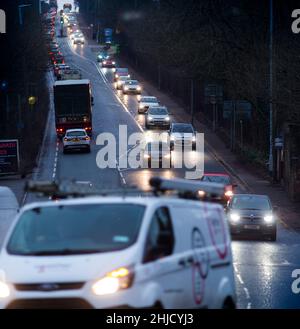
pixel 228 304
pixel 273 236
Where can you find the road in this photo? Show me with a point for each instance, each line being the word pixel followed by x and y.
pixel 263 269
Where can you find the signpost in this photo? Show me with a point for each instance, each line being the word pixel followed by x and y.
pixel 232 110
pixel 9 157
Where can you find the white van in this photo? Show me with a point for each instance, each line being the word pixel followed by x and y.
pixel 8 210
pixel 118 252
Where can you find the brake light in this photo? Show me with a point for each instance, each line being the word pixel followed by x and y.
pixel 229 193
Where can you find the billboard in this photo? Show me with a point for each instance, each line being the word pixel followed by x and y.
pixel 9 156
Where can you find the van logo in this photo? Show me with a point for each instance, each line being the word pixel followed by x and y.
pixel 48 287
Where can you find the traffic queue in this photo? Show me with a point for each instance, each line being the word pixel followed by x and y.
pixel 166 247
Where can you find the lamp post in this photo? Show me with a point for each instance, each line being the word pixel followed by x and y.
pixel 20 12
pixel 271 88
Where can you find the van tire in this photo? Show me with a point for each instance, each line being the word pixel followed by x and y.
pixel 228 304
pixel 157 306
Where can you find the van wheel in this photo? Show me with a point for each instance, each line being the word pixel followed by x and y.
pixel 228 304
pixel 157 306
pixel 273 236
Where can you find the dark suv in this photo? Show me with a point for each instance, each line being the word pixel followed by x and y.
pixel 252 214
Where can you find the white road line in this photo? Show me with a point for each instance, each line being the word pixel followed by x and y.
pixel 240 279
pixel 247 293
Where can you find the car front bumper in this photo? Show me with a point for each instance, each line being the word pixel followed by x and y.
pixel 258 228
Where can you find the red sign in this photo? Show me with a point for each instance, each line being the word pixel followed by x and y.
pixel 9 157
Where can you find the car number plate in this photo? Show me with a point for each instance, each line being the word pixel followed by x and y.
pixel 252 227
pixel 75 140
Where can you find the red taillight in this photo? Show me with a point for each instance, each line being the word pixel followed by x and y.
pixel 88 128
pixel 229 194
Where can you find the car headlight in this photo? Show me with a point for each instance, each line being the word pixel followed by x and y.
pixel 167 119
pixel 113 63
pixel 114 281
pixel 117 75
pixel 138 88
pixel 235 217
pixel 194 139
pixel 141 106
pixel 126 88
pixel 146 156
pixel 4 290
pixel 150 117
pixel 269 218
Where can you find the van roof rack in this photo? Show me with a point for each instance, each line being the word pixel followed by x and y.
pixel 182 188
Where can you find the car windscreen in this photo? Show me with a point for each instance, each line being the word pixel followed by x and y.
pixel 132 82
pixel 182 129
pixel 158 111
pixel 217 179
pixel 149 100
pixel 76 133
pixel 121 70
pixel 250 202
pixel 76 229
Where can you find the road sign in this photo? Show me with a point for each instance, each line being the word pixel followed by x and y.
pixel 213 92
pixel 9 156
pixel 243 109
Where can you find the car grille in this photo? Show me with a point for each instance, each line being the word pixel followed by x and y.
pixel 43 286
pixel 252 220
pixel 50 303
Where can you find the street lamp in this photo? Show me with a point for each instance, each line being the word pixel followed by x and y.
pixel 271 89
pixel 20 12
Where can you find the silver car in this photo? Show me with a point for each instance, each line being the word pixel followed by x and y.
pixel 157 117
pixel 132 87
pixel 145 102
pixel 76 139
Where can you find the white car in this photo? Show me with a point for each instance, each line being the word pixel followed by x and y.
pixel 182 135
pixel 76 139
pixel 71 74
pixel 77 33
pixel 157 154
pixel 119 252
pixel 145 102
pixel 157 116
pixel 78 39
pixel 121 81
pixel 131 87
